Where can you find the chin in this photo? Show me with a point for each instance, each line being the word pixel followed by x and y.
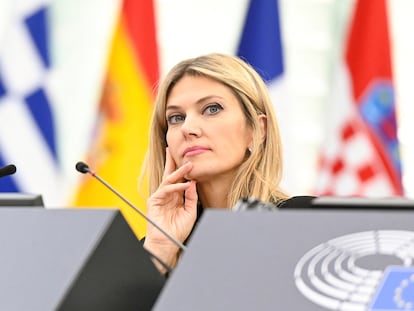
pixel 199 176
pixel 191 177
pixel 195 175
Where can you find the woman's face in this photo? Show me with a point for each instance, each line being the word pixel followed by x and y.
pixel 206 126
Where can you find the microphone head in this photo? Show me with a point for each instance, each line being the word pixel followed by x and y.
pixel 7 170
pixel 11 168
pixel 82 168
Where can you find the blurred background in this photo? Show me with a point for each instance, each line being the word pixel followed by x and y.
pixel 80 40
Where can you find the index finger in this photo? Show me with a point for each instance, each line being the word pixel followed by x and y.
pixel 170 165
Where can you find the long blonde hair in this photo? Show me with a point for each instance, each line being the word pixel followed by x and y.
pixel 260 175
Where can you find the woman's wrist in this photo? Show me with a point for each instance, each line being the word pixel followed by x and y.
pixel 167 252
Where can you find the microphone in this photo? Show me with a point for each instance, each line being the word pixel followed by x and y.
pixel 84 169
pixel 7 170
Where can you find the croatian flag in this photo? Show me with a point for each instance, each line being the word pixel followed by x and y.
pixel 361 154
pixel 27 129
pixel 261 46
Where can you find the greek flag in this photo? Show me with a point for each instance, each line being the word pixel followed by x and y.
pixel 27 125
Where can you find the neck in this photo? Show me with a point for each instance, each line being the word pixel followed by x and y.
pixel 213 194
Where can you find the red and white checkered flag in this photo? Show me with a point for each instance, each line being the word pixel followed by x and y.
pixel 360 156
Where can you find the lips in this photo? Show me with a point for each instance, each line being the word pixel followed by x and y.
pixel 195 150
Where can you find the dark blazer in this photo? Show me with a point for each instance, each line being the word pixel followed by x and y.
pixel 302 201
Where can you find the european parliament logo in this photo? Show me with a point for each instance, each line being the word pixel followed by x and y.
pixel 365 271
pixel 396 291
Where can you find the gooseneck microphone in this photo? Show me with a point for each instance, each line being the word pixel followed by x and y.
pixel 84 169
pixel 7 170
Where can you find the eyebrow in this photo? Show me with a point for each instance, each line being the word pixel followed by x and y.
pixel 198 102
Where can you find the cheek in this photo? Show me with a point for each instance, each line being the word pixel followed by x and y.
pixel 171 141
pixel 168 138
pixel 233 146
pixel 240 137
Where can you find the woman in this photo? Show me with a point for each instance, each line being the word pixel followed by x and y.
pixel 214 139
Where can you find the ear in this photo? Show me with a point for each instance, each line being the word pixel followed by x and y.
pixel 262 130
pixel 263 126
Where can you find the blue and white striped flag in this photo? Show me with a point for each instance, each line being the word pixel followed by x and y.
pixel 27 129
pixel 261 46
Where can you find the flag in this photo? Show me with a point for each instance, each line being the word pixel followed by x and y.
pixel 261 46
pixel 27 122
pixel 260 43
pixel 120 140
pixel 361 154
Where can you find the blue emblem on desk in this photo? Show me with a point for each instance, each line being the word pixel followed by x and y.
pixel 396 290
pixel 362 271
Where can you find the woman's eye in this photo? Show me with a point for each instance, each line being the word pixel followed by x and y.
pixel 174 119
pixel 213 109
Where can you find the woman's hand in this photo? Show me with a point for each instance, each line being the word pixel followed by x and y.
pixel 173 207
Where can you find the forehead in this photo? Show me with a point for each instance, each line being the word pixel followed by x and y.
pixel 194 88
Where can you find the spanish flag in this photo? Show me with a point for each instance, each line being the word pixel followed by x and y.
pixel 120 140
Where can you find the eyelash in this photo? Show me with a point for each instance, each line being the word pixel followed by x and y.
pixel 215 105
pixel 170 118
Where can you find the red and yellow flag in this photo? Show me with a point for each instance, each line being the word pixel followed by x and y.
pixel 121 136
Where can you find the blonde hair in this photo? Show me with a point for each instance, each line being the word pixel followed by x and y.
pixel 260 175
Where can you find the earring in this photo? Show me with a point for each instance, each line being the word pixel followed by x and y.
pixel 250 148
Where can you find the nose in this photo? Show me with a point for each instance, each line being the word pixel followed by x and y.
pixel 191 126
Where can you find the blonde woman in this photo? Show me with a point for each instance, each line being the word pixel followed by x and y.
pixel 214 139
